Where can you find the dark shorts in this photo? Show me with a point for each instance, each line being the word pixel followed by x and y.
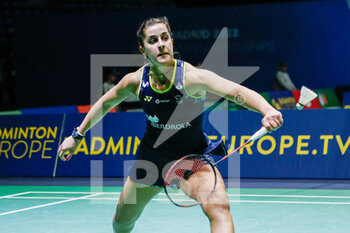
pixel 150 165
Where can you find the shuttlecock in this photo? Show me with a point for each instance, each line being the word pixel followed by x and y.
pixel 306 96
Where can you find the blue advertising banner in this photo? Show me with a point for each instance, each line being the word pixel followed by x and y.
pixel 311 144
pixel 113 140
pixel 28 144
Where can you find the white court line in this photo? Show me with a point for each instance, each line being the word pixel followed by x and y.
pixel 272 202
pixel 49 204
pixel 183 200
pixel 230 195
pixel 64 198
pixel 292 202
pixel 297 196
pixel 63 192
pixel 261 195
pixel 15 194
pixel 41 198
pixel 187 200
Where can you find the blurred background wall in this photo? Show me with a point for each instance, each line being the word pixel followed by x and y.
pixel 46 45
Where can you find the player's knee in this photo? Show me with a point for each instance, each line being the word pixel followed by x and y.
pixel 218 211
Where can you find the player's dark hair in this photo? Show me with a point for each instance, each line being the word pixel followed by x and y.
pixel 149 22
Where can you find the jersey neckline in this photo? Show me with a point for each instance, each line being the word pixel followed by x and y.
pixel 171 83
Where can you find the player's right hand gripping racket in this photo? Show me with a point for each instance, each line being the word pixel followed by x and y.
pixel 180 181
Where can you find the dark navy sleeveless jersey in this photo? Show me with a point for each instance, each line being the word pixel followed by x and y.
pixel 174 118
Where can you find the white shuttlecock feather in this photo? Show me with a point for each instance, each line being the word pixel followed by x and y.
pixel 306 96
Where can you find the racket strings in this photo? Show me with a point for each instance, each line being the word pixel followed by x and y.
pixel 179 186
pixel 183 169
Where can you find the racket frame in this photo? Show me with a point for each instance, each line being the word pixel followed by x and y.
pixel 208 162
pixel 261 132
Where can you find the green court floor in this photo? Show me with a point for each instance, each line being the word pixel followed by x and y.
pixel 62 209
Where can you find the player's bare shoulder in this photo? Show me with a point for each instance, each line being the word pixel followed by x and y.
pixel 193 80
pixel 191 74
pixel 190 69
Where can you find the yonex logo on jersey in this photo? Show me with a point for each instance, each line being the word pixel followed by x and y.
pixel 148 98
pixel 145 84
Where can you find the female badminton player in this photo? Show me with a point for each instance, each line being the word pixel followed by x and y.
pixel 171 93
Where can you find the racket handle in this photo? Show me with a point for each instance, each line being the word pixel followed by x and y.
pixel 261 132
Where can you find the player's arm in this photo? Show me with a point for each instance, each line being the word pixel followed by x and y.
pixel 199 80
pixel 126 87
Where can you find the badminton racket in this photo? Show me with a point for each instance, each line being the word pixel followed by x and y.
pixel 180 181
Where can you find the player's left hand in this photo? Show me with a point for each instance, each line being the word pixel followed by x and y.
pixel 67 148
pixel 272 120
